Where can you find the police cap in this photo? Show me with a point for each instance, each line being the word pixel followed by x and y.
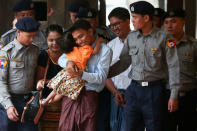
pixel 75 5
pixel 86 13
pixel 142 7
pixel 23 5
pixel 159 12
pixel 27 24
pixel 176 13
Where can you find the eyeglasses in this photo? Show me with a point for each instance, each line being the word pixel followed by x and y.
pixel 115 25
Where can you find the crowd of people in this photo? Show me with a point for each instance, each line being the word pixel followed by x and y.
pixel 100 78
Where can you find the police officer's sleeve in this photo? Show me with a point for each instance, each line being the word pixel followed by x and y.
pixel 173 67
pixel 4 69
pixel 122 64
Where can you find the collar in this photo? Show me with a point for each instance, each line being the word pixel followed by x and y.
pixel 17 44
pixel 121 41
pixel 183 39
pixel 151 33
pixel 94 44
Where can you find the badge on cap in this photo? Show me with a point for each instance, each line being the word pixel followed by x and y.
pixel 171 13
pixel 132 8
pixel 32 5
pixel 89 14
pixel 171 43
pixel 3 62
pixel 156 12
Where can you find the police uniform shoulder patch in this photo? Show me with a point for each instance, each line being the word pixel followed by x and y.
pixel 3 62
pixel 171 43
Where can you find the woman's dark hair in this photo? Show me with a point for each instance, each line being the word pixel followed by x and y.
pixel 66 43
pixel 54 27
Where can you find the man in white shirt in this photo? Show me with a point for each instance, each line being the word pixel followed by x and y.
pixel 120 25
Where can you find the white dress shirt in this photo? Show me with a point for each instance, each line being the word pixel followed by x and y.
pixel 121 81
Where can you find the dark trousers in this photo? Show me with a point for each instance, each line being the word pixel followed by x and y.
pixel 116 114
pixel 185 118
pixel 19 102
pixel 103 121
pixel 143 105
pixel 3 119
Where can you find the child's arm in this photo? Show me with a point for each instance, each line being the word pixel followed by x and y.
pixel 98 44
pixel 49 98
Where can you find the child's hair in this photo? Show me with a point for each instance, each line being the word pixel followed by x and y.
pixel 66 43
pixel 54 27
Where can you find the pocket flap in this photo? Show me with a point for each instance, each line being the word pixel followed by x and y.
pixel 15 64
pixel 133 51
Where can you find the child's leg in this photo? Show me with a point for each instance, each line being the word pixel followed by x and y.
pixel 49 98
pixel 56 98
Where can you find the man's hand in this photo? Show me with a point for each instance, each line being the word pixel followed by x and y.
pixel 73 70
pixel 119 98
pixel 12 113
pixel 40 84
pixel 172 105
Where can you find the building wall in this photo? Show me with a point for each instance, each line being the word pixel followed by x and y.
pixel 6 15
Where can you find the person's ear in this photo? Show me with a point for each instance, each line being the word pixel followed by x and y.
pixel 90 31
pixel 19 32
pixel 128 21
pixel 146 18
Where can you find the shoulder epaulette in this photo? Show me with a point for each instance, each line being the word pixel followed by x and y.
pixel 9 32
pixel 8 47
pixel 191 38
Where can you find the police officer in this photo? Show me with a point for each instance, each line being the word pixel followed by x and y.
pixel 158 17
pixel 73 8
pixel 151 51
pixel 90 15
pixel 18 61
pixel 186 116
pixel 24 8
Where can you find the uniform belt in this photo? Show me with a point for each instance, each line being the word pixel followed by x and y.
pixel 22 96
pixel 151 83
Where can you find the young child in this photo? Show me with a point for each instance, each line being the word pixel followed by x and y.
pixel 62 83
